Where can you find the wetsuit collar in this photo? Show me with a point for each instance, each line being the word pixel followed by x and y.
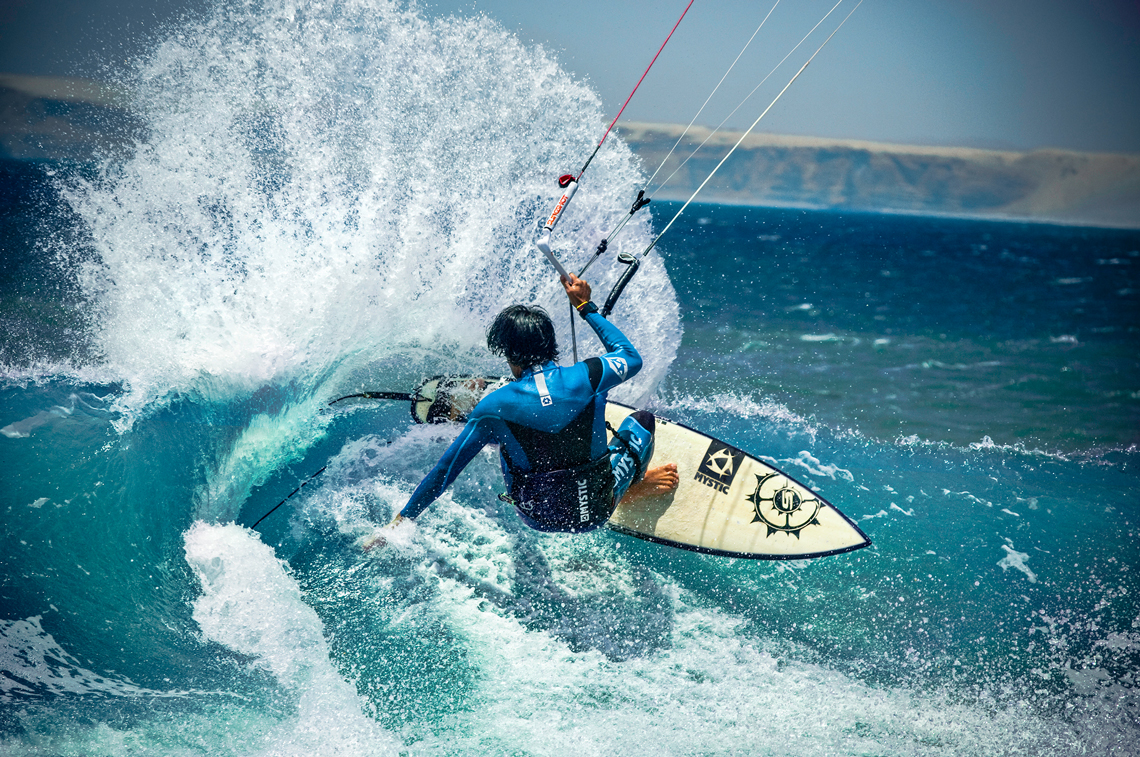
pixel 550 364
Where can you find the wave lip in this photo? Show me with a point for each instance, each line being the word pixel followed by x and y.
pixel 373 193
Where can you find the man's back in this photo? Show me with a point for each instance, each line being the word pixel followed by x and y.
pixel 540 405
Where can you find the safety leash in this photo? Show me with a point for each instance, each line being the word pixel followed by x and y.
pixel 569 182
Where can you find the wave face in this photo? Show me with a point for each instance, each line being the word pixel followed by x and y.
pixel 325 189
pixel 336 197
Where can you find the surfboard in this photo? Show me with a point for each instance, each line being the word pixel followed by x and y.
pixel 727 503
pixel 730 503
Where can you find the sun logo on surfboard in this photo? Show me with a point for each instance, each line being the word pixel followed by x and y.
pixel 781 507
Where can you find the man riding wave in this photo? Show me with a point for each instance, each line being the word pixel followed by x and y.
pixel 550 426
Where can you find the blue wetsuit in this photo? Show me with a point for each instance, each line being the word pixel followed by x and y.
pixel 551 431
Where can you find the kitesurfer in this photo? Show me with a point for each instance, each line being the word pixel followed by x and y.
pixel 550 427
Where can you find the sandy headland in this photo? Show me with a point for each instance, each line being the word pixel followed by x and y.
pixel 1061 186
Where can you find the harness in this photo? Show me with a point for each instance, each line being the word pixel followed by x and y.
pixel 566 500
pixel 565 490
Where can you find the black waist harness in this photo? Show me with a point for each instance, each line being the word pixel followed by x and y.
pixel 564 490
pixel 573 499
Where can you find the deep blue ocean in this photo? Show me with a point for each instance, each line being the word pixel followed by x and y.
pixel 328 199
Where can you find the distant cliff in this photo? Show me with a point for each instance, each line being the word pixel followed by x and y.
pixel 48 118
pixel 45 118
pixel 767 169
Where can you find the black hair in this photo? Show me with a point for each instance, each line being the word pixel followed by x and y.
pixel 524 335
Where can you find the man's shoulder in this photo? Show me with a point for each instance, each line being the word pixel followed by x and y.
pixel 497 398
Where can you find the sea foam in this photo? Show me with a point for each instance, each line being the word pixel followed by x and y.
pixel 250 604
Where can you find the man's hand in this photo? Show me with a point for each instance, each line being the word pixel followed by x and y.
pixel 378 539
pixel 577 289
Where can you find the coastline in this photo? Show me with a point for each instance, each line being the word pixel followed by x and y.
pixel 1040 186
pixel 47 119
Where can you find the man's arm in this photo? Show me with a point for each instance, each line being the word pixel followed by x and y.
pixel 474 436
pixel 622 360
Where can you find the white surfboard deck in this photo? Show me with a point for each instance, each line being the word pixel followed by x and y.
pixel 729 503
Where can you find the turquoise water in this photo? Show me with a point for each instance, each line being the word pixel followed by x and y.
pixel 330 199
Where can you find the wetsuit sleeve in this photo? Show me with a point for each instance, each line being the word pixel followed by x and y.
pixel 474 436
pixel 621 361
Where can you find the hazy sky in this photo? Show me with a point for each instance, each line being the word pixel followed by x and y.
pixel 995 73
